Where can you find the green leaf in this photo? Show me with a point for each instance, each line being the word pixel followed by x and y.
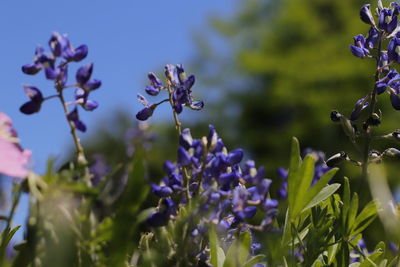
pixel 213 247
pixel 239 251
pixel 313 191
pixel 383 263
pixel 352 211
pixel 326 192
pixel 365 218
pixel 345 200
pixel 221 257
pixel 332 250
pixel 7 235
pixel 303 180
pixel 371 260
pixel 254 260
pixel 295 161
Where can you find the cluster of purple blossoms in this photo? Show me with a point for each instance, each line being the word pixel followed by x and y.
pixel 386 28
pixel 226 194
pixel 55 67
pixel 178 86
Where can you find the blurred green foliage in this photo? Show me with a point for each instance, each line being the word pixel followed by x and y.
pixel 286 65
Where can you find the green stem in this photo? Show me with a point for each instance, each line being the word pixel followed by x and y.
pixel 80 153
pixel 367 145
pixel 14 206
pixel 178 127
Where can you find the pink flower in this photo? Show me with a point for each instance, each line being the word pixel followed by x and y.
pixel 13 158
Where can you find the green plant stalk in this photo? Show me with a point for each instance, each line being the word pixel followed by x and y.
pixel 80 153
pixel 178 126
pixel 14 206
pixel 367 145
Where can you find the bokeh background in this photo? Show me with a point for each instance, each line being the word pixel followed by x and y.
pixel 266 70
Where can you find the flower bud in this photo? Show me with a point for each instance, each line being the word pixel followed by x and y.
pixel 366 15
pixel 336 159
pixel 391 153
pixel 335 116
pixel 374 120
pixel 396 134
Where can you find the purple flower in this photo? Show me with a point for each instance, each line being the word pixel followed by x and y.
pixel 83 73
pixel 183 156
pixel 148 109
pixel 161 217
pixel 360 106
pixel 372 38
pixel 156 85
pixel 74 118
pixel 358 49
pixel 77 54
pixel 389 80
pixel 387 20
pixel 383 61
pixel 81 98
pixel 36 100
pixel 42 61
pixel 366 15
pixel 240 196
pixel 145 113
pixel 246 213
pixel 235 157
pixel 58 43
pixel 394 96
pixel 185 138
pixel 172 74
pixel 394 50
pixel 169 167
pixel 161 191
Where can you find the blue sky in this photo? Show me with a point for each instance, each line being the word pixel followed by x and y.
pixel 126 40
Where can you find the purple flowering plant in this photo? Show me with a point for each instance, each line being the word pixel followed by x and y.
pixel 213 206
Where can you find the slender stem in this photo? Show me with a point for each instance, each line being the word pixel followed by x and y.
pixel 50 97
pixel 367 145
pixel 298 237
pixel 14 205
pixel 176 118
pixel 16 199
pixel 178 125
pixel 80 153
